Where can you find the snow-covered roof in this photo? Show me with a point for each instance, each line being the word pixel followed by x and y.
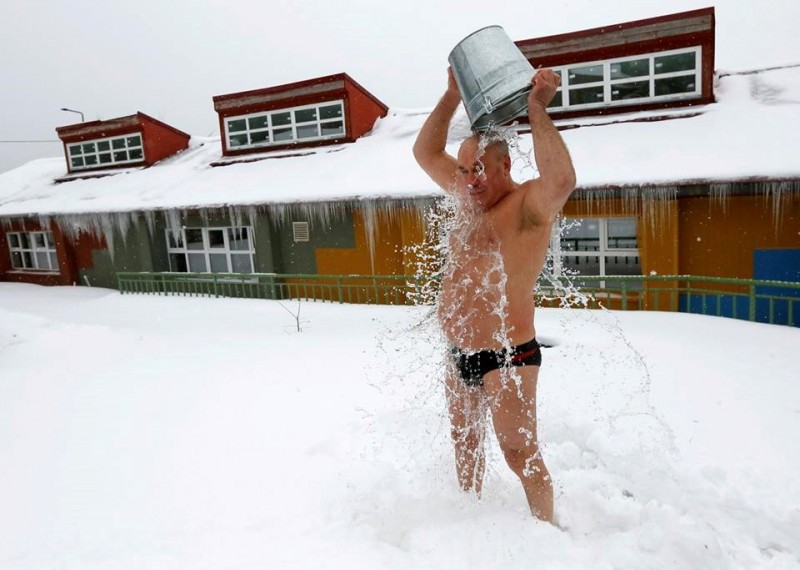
pixel 749 133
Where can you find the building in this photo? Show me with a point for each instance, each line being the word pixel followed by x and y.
pixel 675 161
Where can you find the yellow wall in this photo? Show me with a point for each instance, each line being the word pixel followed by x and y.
pixel 718 237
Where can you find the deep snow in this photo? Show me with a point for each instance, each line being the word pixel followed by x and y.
pixel 152 432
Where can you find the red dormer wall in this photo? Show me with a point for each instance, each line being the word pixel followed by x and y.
pixel 364 109
pixel 159 140
pixel 361 108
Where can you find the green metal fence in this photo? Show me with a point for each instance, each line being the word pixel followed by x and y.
pixel 755 300
pixel 368 289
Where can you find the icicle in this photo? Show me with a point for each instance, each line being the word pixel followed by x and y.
pixel 720 194
pixel 150 221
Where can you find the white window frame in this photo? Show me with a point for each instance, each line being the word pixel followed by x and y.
pixel 207 250
pixel 48 249
pixel 602 252
pixel 270 128
pixel 111 151
pixel 607 83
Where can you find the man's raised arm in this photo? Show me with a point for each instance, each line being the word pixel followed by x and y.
pixel 429 148
pixel 556 174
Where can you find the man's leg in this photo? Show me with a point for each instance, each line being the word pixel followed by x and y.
pixel 514 418
pixel 467 409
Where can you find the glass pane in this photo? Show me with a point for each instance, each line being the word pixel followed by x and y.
pixel 259 137
pixel 77 162
pixel 16 260
pixel 38 240
pixel 558 100
pixel 583 236
pixel 105 158
pixel 53 261
pixel 25 241
pixel 219 262
pixel 307 131
pixel 177 262
pixel 197 262
pixel 621 233
pixel 587 74
pixel 135 140
pixel 635 68
pixel 623 265
pixel 259 122
pixel 305 115
pixel 75 150
pixel 118 143
pixel 51 243
pixel 241 263
pixel 42 260
pixel 671 85
pixel 330 111
pixel 282 135
pixel 677 62
pixel 27 260
pixel 88 147
pixel 103 145
pixel 585 96
pixel 120 156
pixel 630 90
pixel 237 140
pixel 281 119
pixel 238 239
pixel 14 240
pixel 581 264
pixel 90 159
pixel 135 154
pixel 216 239
pixel 175 241
pixel 332 128
pixel 194 238
pixel 237 125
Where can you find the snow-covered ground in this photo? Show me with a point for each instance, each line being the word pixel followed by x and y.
pixel 149 432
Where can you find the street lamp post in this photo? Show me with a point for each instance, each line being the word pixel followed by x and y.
pixel 71 111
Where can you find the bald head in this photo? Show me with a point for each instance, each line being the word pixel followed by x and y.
pixel 488 142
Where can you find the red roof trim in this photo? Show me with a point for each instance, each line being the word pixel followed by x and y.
pixel 618 27
pixel 277 89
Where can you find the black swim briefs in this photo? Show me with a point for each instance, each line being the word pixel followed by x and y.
pixel 472 366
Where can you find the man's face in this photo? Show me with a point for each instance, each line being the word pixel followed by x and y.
pixel 482 179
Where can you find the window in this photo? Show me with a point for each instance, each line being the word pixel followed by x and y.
pixel 660 76
pixel 106 152
pixel 599 246
pixel 33 251
pixel 311 122
pixel 211 250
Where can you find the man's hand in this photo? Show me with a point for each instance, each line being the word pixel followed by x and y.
pixel 452 86
pixel 545 82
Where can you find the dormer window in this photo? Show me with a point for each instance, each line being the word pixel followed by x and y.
pixel 644 65
pixel 653 77
pixel 135 140
pixel 302 124
pixel 316 112
pixel 106 152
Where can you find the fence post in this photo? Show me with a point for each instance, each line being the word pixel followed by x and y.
pixel 339 289
pixel 624 295
pixel 752 308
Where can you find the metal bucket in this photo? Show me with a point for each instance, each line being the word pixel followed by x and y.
pixel 493 76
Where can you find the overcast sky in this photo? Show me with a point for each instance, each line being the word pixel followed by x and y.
pixel 168 58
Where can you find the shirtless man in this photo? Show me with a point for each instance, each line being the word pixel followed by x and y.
pixel 486 305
